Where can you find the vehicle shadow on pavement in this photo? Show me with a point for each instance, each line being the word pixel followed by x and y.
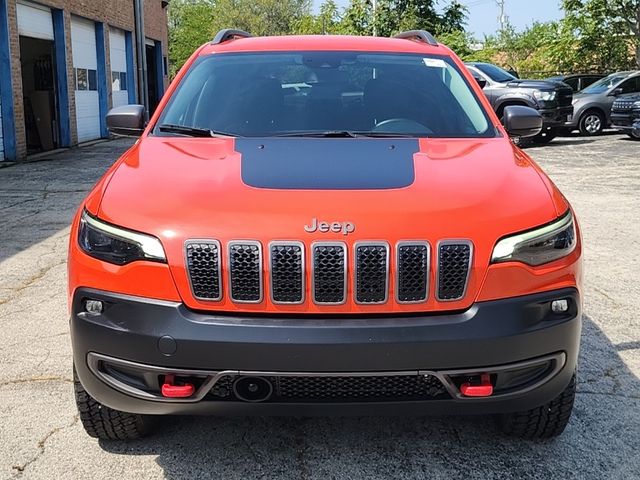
pixel 600 441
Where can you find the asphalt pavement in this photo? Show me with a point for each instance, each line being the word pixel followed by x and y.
pixel 41 438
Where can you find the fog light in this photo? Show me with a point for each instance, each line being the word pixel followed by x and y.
pixel 559 306
pixel 93 306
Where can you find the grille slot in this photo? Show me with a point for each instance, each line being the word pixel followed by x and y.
pixel 371 272
pixel 412 264
pixel 329 273
pixel 287 272
pixel 245 271
pixel 343 389
pixel 454 261
pixel 203 266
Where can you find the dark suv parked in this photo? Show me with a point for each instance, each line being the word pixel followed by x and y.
pixel 578 81
pixel 551 98
pixel 625 115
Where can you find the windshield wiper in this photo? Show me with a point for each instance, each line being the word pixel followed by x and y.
pixel 346 134
pixel 317 134
pixel 191 131
pixel 375 134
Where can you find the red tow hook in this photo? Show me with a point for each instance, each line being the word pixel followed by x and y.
pixel 170 390
pixel 484 389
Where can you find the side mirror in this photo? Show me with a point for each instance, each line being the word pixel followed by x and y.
pixel 126 120
pixel 521 121
pixel 481 81
pixel 616 91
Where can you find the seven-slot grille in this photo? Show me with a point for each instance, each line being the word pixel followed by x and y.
pixel 328 265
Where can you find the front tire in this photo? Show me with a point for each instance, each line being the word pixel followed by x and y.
pixel 545 136
pixel 546 421
pixel 100 421
pixel 591 123
pixel 633 136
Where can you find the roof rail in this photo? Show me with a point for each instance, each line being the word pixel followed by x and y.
pixel 229 34
pixel 419 35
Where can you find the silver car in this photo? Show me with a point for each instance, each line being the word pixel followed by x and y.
pixel 592 106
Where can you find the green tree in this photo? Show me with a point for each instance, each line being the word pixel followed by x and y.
pixel 393 16
pixel 260 17
pixel 606 32
pixel 328 21
pixel 189 27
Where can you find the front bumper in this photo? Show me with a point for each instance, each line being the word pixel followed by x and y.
pixel 164 336
pixel 556 117
pixel 626 122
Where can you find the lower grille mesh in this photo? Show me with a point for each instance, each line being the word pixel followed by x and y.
pixel 453 269
pixel 344 389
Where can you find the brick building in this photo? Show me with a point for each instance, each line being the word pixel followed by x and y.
pixel 64 63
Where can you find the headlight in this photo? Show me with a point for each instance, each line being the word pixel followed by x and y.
pixel 636 105
pixel 117 245
pixel 545 96
pixel 542 245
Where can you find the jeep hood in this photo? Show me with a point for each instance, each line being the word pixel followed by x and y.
pixel 392 190
pixel 196 187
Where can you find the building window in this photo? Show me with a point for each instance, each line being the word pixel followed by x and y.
pixel 82 82
pixel 118 81
pixel 93 80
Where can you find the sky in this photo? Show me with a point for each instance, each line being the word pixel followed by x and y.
pixel 483 14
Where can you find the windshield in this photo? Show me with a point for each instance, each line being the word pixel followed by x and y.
pixel 606 83
pixel 306 93
pixel 495 73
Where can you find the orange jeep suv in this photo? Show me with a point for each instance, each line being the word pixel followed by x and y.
pixel 324 224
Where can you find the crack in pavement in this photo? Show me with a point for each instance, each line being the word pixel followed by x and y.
pixel 19 469
pixel 31 281
pixel 609 394
pixel 51 378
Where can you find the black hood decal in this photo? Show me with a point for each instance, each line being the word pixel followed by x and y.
pixel 327 163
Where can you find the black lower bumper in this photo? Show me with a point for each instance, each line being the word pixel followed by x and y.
pixel 628 123
pixel 555 117
pixel 164 335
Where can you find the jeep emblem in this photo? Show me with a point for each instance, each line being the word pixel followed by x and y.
pixel 324 227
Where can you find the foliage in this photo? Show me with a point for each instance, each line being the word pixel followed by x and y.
pixel 393 16
pixel 260 17
pixel 328 21
pixel 595 35
pixel 606 32
pixel 189 27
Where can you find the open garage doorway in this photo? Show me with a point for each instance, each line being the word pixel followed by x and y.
pixel 41 117
pixel 152 77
